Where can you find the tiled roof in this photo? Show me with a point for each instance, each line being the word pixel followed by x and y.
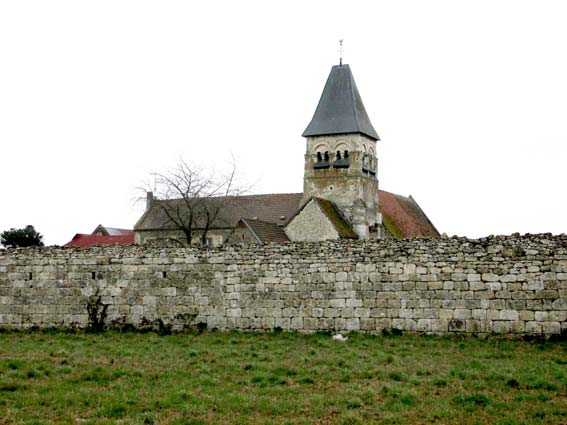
pixel 272 208
pixel 265 232
pixel 403 217
pixel 81 240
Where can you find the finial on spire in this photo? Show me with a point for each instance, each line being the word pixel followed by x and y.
pixel 341 51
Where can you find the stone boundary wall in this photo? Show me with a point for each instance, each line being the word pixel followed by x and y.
pixel 504 285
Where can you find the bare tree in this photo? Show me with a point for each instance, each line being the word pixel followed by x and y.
pixel 191 197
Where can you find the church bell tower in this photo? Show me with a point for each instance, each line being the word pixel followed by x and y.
pixel 340 159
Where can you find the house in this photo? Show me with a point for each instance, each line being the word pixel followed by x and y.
pixel 340 198
pixel 102 236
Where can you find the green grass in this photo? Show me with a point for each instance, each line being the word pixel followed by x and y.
pixel 57 377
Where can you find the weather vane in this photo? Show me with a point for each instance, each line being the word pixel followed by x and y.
pixel 341 51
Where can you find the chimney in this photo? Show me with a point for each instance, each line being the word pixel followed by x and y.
pixel 149 200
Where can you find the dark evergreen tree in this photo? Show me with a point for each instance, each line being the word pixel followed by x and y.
pixel 15 238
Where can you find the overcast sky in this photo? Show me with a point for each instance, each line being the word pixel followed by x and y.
pixel 469 99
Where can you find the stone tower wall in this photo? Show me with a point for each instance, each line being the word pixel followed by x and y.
pixel 343 186
pixel 506 285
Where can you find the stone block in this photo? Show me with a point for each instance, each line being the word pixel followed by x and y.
pixel 541 316
pixel 557 316
pixel 458 277
pixel 350 302
pixel 508 315
pixel 435 285
pixel 327 323
pixel 233 312
pixel 353 324
pixel 310 324
pixel 367 324
pixel 420 270
pixel 551 328
pixel 490 277
pixel 337 303
pixel 377 313
pixel 283 323
pixel 340 324
pixel 473 277
pixel 424 325
pixel 409 268
pixel 149 300
pixel 384 323
pixel 317 312
pixel 332 312
pixel 462 314
pixel 439 325
pixel 477 286
pixel 508 278
pixel 500 326
pixel 494 286
pixel 533 327
pixel 289 312
pixel 518 327
pixel 526 315
pixel 456 325
pixel 398 324
pixel 297 323
pixel 347 312
pixel 479 314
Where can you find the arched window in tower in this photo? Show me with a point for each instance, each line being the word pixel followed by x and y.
pixel 372 162
pixel 365 163
pixel 341 158
pixel 321 157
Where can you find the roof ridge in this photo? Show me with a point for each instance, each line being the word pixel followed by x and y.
pixel 352 88
pixel 425 215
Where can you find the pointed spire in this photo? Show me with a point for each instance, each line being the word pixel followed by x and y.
pixel 340 109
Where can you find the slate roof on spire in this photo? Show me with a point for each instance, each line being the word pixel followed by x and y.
pixel 340 109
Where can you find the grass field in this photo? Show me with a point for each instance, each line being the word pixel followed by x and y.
pixel 79 378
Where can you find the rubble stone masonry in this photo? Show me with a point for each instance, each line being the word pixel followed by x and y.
pixel 504 285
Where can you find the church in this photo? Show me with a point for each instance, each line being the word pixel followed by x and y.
pixel 340 199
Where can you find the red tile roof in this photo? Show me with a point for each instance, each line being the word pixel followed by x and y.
pixel 81 240
pixel 403 217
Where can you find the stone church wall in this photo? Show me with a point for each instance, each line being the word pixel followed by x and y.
pixel 312 225
pixel 505 285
